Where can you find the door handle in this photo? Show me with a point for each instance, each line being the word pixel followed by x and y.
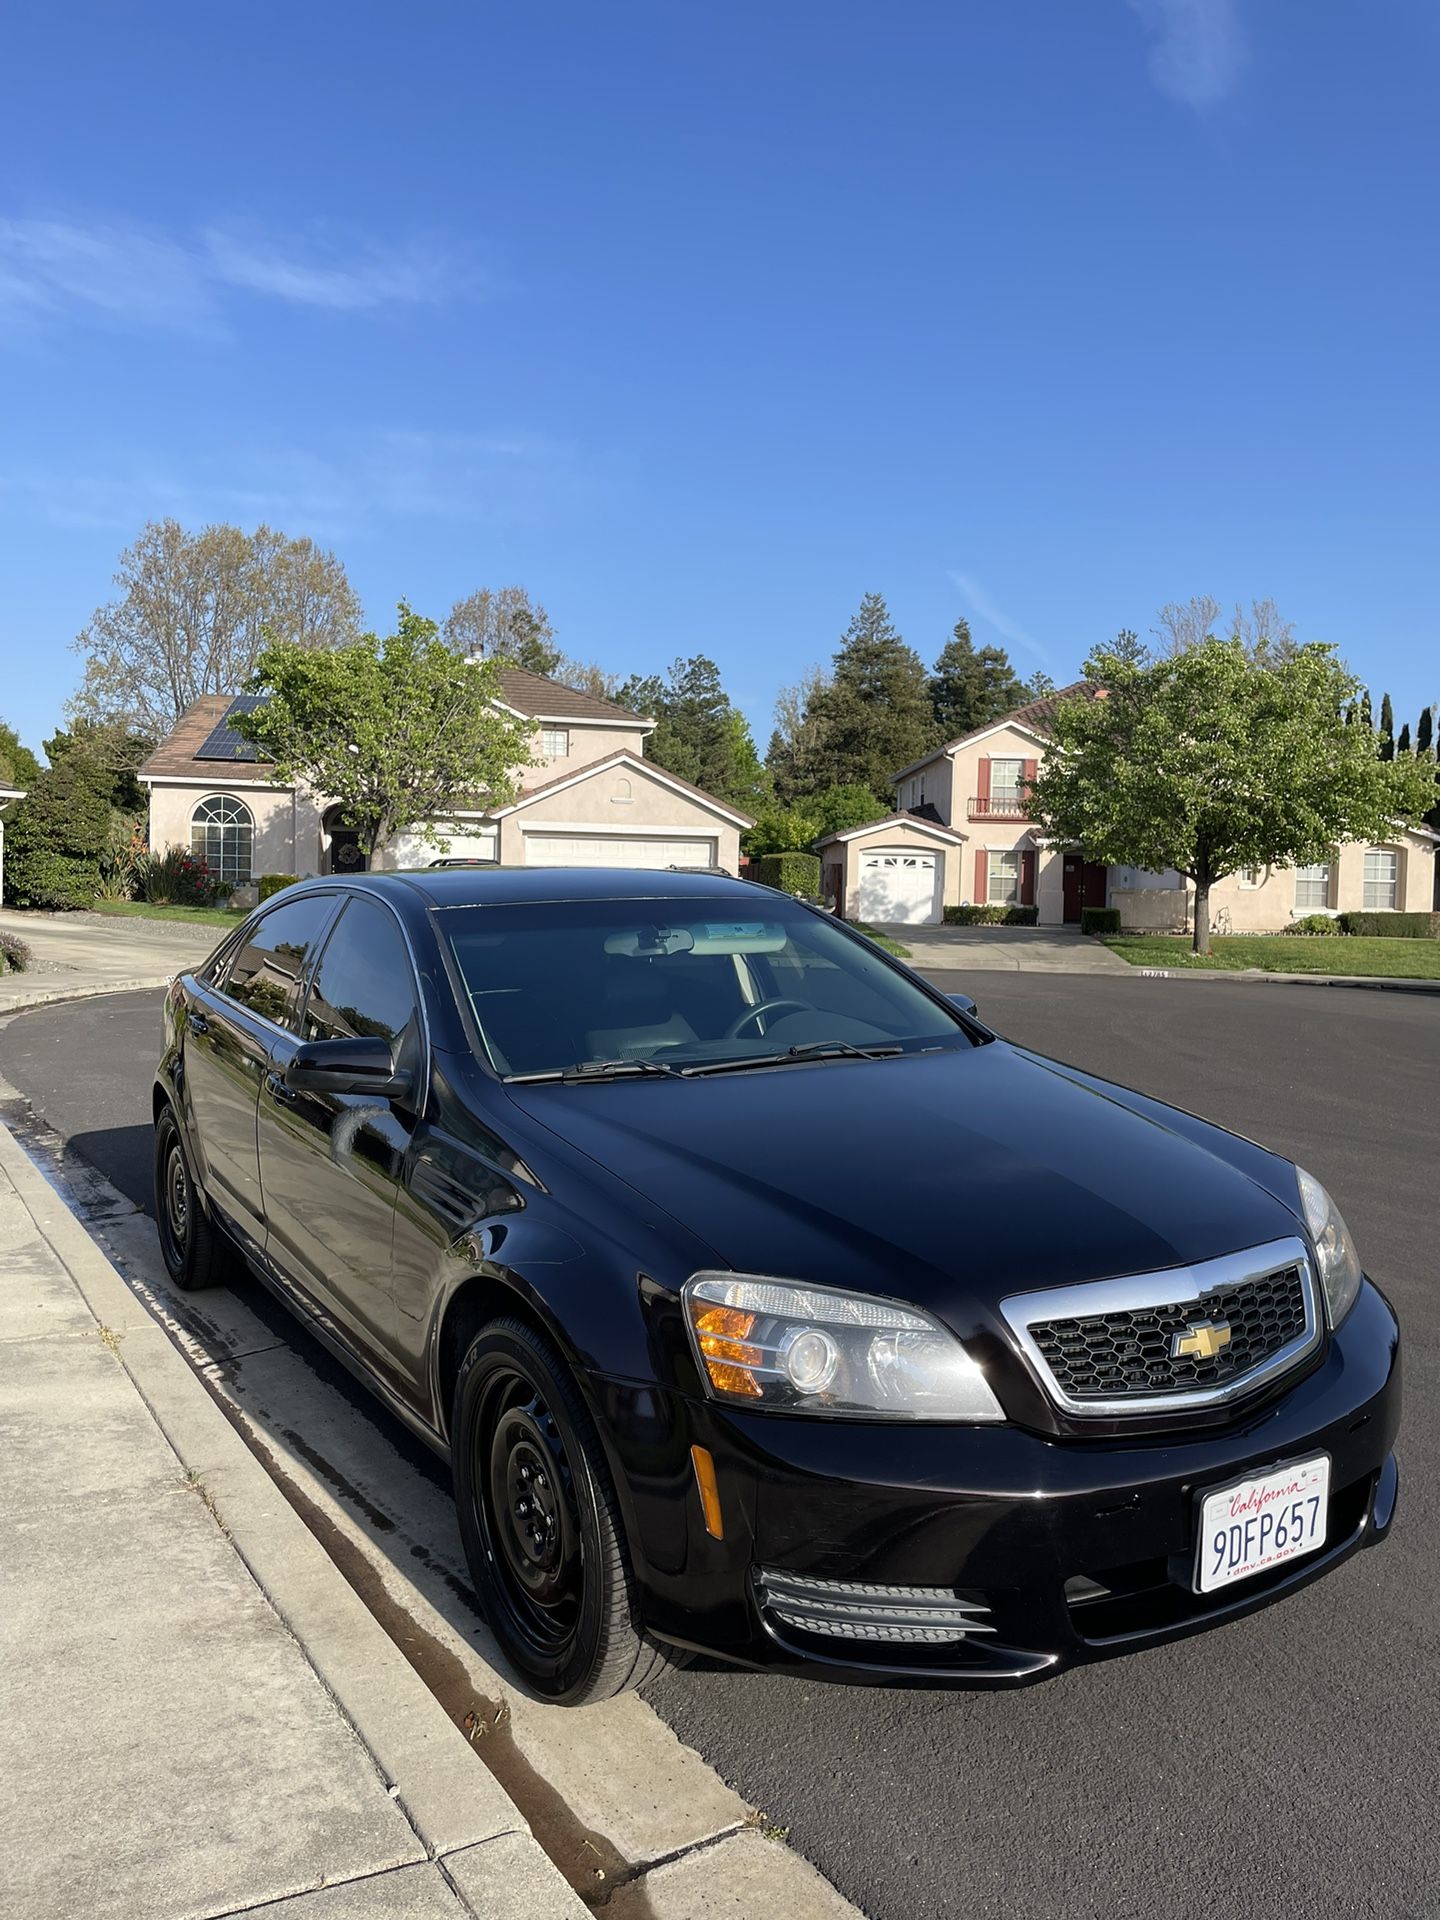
pixel 277 1089
pixel 197 1023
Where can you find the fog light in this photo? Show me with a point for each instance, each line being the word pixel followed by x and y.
pixel 810 1357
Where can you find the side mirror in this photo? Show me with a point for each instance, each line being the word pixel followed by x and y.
pixel 964 1002
pixel 364 1065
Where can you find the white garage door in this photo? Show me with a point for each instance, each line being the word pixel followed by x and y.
pixel 900 888
pixel 632 850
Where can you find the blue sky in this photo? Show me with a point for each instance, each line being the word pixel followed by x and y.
pixel 702 320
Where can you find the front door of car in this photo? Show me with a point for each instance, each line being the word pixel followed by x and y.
pixel 230 1026
pixel 331 1164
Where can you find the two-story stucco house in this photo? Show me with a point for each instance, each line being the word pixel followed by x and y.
pixel 962 833
pixel 590 799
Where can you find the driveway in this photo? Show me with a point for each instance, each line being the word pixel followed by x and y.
pixel 1285 1763
pixel 95 953
pixel 1006 949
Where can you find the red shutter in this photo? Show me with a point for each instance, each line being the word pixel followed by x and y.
pixel 1027 877
pixel 1027 778
pixel 982 863
pixel 982 784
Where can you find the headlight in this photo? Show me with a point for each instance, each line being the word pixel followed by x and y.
pixel 791 1348
pixel 1334 1249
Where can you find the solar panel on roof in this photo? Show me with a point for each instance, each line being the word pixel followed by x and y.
pixel 223 742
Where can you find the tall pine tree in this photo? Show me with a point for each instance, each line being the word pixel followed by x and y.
pixel 972 686
pixel 698 734
pixel 1387 728
pixel 875 714
pixel 1425 731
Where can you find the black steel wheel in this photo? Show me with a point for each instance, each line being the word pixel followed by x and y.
pixel 541 1524
pixel 194 1253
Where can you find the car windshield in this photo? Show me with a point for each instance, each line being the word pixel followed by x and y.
pixel 687 984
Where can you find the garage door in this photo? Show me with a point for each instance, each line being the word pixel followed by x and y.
pixel 900 888
pixel 633 850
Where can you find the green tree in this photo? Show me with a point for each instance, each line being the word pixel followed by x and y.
pixel 1425 731
pixel 1039 687
pixel 781 829
pixel 971 686
pixel 1210 760
pixel 194 612
pixel 18 765
pixel 1402 745
pixel 58 836
pixel 1387 728
pixel 699 734
pixel 400 731
pixel 874 715
pixel 791 759
pixel 504 624
pixel 838 809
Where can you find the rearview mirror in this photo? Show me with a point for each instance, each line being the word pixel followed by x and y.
pixel 964 1002
pixel 362 1064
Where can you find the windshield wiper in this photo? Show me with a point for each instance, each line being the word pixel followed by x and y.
pixel 596 1070
pixel 810 1050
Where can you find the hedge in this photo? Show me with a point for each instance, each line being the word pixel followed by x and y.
pixel 273 882
pixel 1392 926
pixel 790 873
pixel 1100 920
pixel 14 953
pixel 986 916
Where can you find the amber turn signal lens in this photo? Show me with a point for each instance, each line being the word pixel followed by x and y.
pixel 722 1332
pixel 703 1462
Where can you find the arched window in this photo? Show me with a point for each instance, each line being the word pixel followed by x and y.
pixel 222 833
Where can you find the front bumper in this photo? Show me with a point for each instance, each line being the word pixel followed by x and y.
pixel 1068 1550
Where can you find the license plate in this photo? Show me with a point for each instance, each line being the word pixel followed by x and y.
pixel 1254 1525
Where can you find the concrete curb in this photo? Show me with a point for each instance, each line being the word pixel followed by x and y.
pixel 47 996
pixel 457 1808
pixel 1249 976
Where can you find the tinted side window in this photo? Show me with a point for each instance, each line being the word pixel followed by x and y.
pixel 266 971
pixel 365 983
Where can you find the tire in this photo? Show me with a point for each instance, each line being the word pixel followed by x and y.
pixel 541 1525
pixel 194 1252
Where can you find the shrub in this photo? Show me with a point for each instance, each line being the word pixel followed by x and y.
pixel 55 843
pixel 273 882
pixel 178 878
pixel 988 916
pixel 57 881
pixel 790 873
pixel 14 953
pixel 1313 923
pixel 1392 926
pixel 1100 920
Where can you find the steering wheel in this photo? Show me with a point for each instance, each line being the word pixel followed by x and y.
pixel 737 1027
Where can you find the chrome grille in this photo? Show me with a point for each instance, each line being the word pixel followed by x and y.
pixel 856 1610
pixel 1159 1342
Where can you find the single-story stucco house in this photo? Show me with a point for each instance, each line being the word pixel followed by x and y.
pixel 963 834
pixel 590 799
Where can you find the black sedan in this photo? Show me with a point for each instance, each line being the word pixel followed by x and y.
pixel 765 1302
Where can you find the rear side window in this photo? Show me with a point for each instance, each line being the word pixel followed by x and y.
pixel 365 983
pixel 266 972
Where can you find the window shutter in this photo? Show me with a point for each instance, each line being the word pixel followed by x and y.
pixel 1027 876
pixel 1028 770
pixel 982 863
pixel 982 778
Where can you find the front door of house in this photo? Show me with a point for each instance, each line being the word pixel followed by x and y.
pixel 346 853
pixel 1084 886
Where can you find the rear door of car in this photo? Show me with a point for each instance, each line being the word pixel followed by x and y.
pixel 331 1165
pixel 231 1019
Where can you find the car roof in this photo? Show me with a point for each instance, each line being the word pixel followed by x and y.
pixel 496 886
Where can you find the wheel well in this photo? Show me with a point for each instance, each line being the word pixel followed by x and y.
pixel 158 1099
pixel 474 1304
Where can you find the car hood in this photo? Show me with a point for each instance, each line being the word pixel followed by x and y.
pixel 937 1178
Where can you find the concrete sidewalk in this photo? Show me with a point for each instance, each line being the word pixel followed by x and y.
pixel 77 954
pixel 198 1717
pixel 1005 949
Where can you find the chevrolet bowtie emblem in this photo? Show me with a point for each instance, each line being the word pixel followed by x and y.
pixel 1201 1341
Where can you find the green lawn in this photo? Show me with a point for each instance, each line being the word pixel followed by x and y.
pixel 1315 953
pixel 143 910
pixel 881 940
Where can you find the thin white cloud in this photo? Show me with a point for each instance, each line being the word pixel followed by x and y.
pixel 121 274
pixel 979 603
pixel 467 479
pixel 1197 51
pixel 326 276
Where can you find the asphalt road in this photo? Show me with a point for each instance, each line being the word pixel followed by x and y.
pixel 1284 1764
